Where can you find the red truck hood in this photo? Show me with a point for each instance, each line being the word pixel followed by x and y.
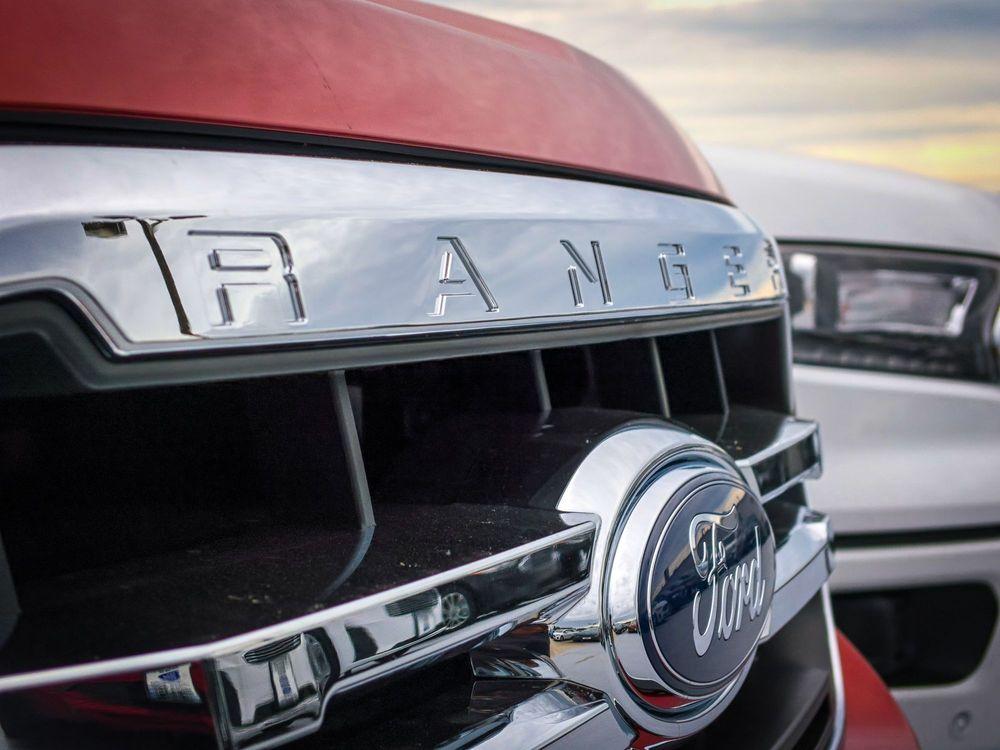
pixel 394 72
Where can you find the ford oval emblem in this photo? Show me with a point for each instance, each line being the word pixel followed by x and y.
pixel 707 584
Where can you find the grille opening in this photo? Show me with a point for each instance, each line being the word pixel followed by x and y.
pixel 729 384
pixel 430 431
pixel 912 637
pixel 448 402
pixel 101 478
pixel 624 375
pixel 752 357
pixel 693 374
pixel 105 478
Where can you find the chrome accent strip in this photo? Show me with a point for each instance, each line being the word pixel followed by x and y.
pixel 793 433
pixel 803 562
pixel 837 674
pixel 813 472
pixel 420 656
pixel 182 251
pixel 407 651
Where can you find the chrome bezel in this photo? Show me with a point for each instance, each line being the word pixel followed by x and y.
pixel 610 483
pixel 623 576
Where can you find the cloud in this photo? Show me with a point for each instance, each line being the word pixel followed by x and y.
pixel 813 75
pixel 974 156
pixel 847 24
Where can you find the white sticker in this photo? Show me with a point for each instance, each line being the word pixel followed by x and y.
pixel 172 685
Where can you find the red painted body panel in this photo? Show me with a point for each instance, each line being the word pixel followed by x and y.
pixel 874 720
pixel 395 71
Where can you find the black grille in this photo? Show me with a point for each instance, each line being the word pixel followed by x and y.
pixel 234 475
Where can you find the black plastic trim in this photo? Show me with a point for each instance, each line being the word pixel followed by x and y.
pixel 912 538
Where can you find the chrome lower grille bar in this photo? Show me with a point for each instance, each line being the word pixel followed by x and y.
pixel 773 451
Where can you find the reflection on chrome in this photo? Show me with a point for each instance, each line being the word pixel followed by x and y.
pixel 278 689
pixel 543 718
pixel 287 688
pixel 272 685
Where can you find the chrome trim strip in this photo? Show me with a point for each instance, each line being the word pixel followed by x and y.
pixel 813 472
pixel 423 655
pixel 793 433
pixel 801 587
pixel 837 674
pixel 803 562
pixel 183 251
pixel 807 540
pixel 406 652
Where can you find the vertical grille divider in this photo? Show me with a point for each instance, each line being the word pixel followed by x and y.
pixel 541 383
pixel 658 378
pixel 352 449
pixel 720 376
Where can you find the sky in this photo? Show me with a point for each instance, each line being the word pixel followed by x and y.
pixel 910 84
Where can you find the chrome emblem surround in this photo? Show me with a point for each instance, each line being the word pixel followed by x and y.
pixel 658 489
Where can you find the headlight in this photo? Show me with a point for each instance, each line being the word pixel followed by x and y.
pixel 919 312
